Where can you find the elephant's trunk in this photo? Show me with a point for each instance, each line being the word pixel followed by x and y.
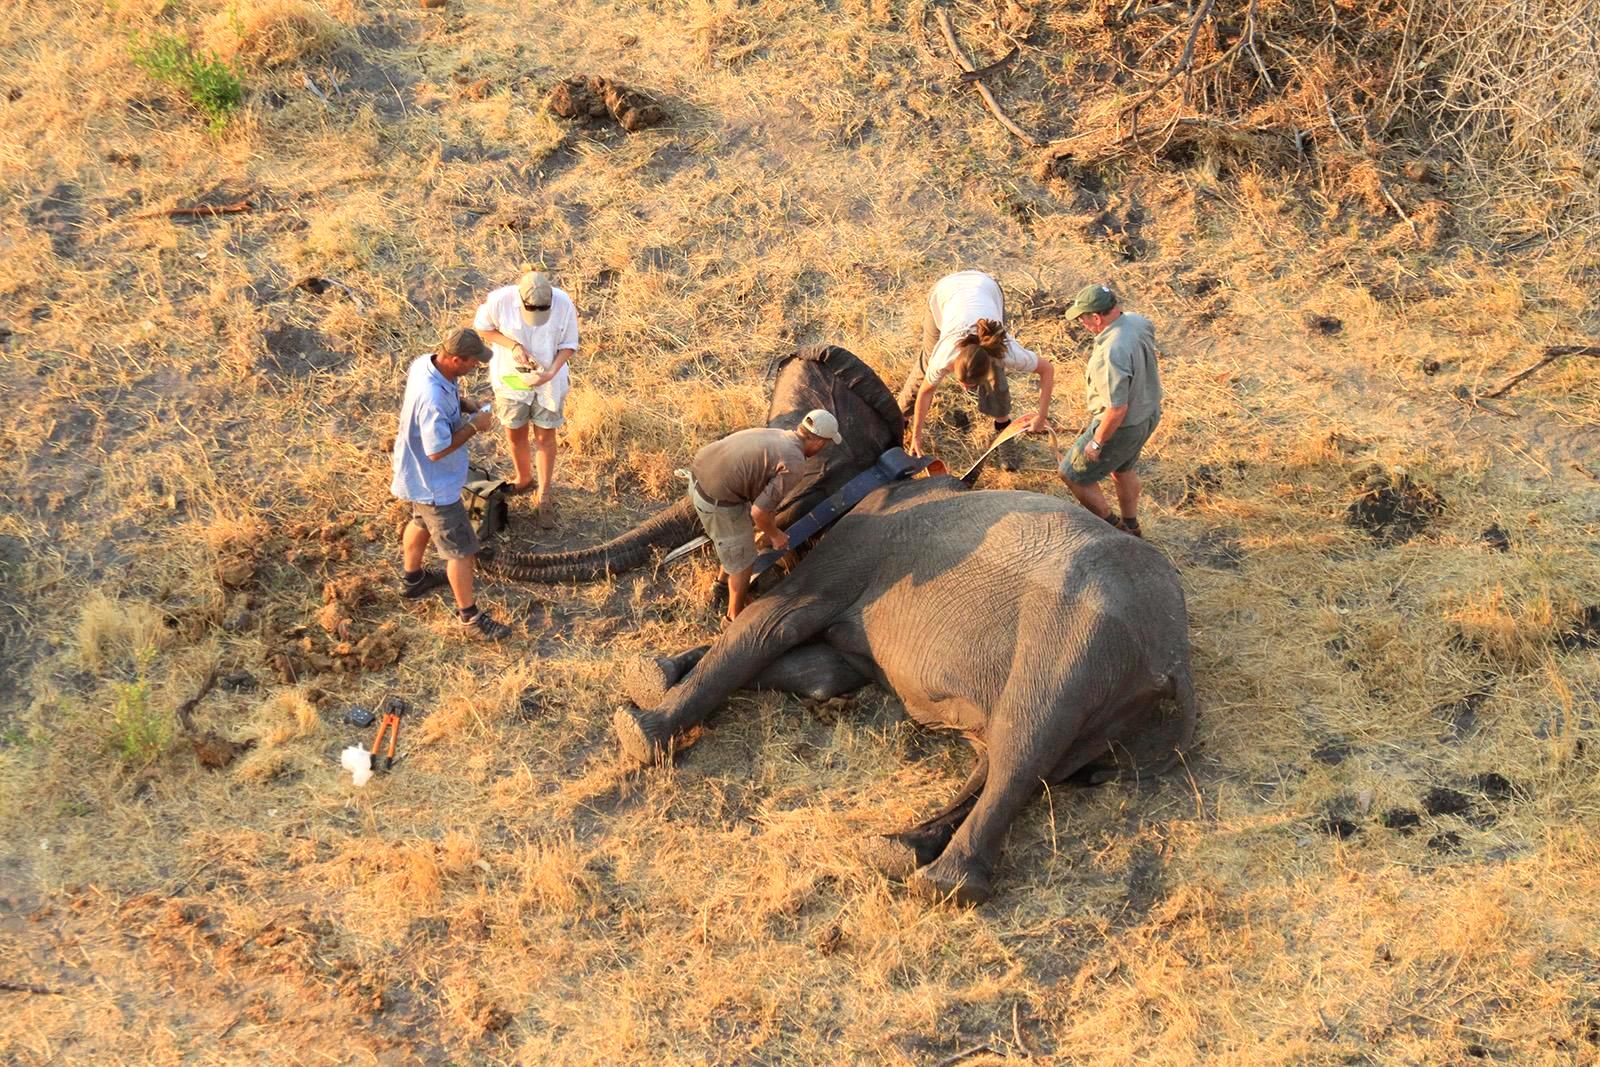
pixel 671 527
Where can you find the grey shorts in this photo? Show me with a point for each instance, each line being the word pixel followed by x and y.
pixel 448 527
pixel 731 529
pixel 515 414
pixel 1117 455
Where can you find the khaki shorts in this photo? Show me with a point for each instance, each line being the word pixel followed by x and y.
pixel 1119 455
pixel 515 414
pixel 448 527
pixel 731 529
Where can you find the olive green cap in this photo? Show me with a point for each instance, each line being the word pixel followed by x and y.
pixel 1095 298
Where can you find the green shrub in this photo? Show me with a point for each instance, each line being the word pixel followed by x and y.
pixel 211 84
pixel 139 733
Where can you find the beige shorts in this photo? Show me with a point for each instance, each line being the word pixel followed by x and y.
pixel 515 414
pixel 732 531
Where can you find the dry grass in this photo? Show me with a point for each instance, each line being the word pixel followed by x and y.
pixel 193 449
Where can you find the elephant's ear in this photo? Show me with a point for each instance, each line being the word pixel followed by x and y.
pixel 854 374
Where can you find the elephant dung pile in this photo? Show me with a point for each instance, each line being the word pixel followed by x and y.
pixel 595 99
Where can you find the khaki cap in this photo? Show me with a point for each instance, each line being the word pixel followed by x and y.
pixel 536 291
pixel 820 423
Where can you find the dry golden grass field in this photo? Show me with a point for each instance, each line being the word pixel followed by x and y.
pixel 1383 848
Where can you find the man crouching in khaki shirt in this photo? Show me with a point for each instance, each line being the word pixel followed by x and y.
pixel 737 483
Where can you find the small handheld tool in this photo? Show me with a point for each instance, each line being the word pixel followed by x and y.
pixel 389 723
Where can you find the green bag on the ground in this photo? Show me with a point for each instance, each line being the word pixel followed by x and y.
pixel 487 501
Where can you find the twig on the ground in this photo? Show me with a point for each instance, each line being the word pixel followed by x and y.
pixel 1384 189
pixel 942 17
pixel 314 284
pixel 1550 356
pixel 25 987
pixel 202 211
pixel 316 92
pixel 1182 66
pixel 983 72
pixel 186 709
pixel 967 1054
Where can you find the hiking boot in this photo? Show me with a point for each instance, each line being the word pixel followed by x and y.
pixel 1129 526
pixel 424 585
pixel 483 627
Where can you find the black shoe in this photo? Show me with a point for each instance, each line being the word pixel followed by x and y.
pixel 429 581
pixel 484 628
pixel 1129 526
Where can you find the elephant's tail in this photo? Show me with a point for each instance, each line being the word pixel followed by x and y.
pixel 1178 709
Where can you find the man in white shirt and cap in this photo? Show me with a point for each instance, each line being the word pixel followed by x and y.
pixel 736 485
pixel 532 330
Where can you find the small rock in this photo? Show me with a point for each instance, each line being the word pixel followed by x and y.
pixel 1496 538
pixel 1419 170
pixel 1364 802
pixel 1430 366
pixel 1326 325
pixel 1442 801
pixel 239 682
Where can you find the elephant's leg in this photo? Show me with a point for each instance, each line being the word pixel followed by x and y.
pixel 813 671
pixel 646 680
pixel 1026 749
pixel 761 635
pixel 898 854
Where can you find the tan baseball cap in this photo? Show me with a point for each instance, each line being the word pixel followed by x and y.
pixel 536 291
pixel 819 423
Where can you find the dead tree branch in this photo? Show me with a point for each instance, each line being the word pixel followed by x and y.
pixel 186 709
pixel 202 211
pixel 1550 356
pixel 943 18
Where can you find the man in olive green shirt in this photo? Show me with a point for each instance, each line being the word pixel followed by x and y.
pixel 1124 388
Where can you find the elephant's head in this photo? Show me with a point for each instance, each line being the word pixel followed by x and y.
pixel 817 376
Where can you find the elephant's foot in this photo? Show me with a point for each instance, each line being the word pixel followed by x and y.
pixel 646 680
pixel 898 855
pixel 946 878
pixel 644 738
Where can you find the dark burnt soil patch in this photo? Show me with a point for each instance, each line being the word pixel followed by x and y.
pixel 1442 801
pixel 296 352
pixel 598 101
pixel 1460 717
pixel 1582 633
pixel 1403 820
pixel 1392 507
pixel 60 214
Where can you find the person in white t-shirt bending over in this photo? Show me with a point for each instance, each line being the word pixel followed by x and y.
pixel 964 337
pixel 532 328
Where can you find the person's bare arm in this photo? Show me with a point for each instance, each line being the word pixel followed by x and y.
pixel 767 523
pixel 1108 426
pixel 919 416
pixel 495 337
pixel 559 362
pixel 1047 382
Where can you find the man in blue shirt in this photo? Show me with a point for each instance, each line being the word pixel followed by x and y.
pixel 430 470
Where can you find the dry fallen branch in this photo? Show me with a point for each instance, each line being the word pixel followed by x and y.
pixel 201 211
pixel 943 18
pixel 998 65
pixel 1550 356
pixel 186 709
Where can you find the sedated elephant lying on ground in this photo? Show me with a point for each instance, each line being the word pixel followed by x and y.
pixel 1057 645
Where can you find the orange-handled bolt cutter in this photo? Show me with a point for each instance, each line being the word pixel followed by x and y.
pixel 389 723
